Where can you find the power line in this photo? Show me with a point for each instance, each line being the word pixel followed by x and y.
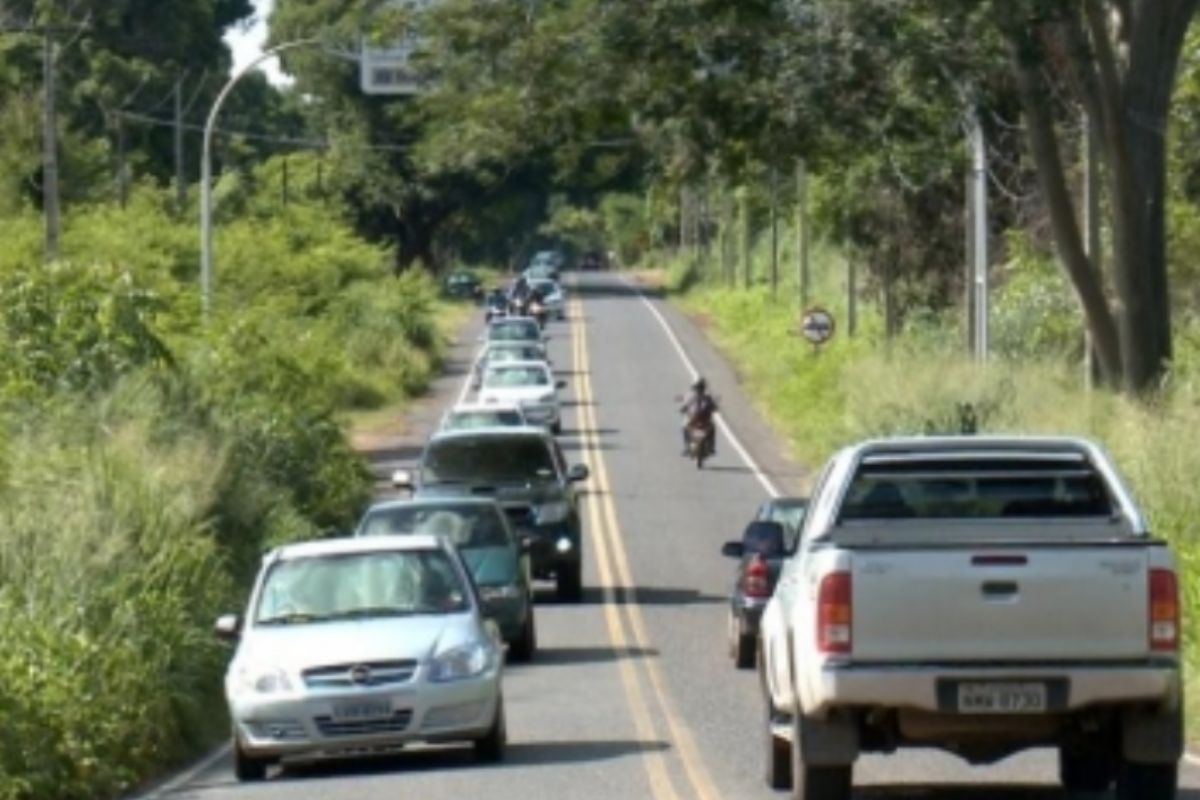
pixel 317 144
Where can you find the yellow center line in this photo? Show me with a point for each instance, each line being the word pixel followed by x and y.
pixel 653 762
pixel 693 764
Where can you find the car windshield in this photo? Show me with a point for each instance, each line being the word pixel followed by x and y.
pixel 473 420
pixel 494 459
pixel 514 329
pixel 546 288
pixel 516 376
pixel 465 525
pixel 388 583
pixel 790 515
pixel 502 354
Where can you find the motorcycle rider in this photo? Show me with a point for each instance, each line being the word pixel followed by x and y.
pixel 698 411
pixel 519 295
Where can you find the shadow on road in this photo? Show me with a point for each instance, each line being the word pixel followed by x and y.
pixel 570 656
pixel 597 290
pixel 523 754
pixel 652 596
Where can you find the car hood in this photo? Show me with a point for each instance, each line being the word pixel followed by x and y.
pixel 491 566
pixel 505 493
pixel 299 647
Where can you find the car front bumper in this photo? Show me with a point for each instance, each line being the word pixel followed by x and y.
pixel 554 547
pixel 302 725
pixel 546 414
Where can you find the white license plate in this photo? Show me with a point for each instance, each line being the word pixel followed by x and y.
pixel 1001 698
pixel 362 711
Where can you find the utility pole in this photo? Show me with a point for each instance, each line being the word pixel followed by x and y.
pixel 180 169
pixel 969 257
pixel 802 233
pixel 50 194
pixel 743 197
pixel 979 168
pixel 851 291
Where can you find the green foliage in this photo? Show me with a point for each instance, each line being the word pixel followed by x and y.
pixel 146 460
pixel 1034 312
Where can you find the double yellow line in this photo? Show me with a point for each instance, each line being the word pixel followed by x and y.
pixel 650 705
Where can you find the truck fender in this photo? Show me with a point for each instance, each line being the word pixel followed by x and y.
pixel 829 742
pixel 1152 735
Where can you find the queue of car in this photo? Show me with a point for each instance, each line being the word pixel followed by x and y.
pixel 400 632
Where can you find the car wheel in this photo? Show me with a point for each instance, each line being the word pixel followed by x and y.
pixel 745 649
pixel 1147 781
pixel 569 583
pixel 1084 771
pixel 817 783
pixel 246 767
pixel 522 649
pixel 778 753
pixel 490 748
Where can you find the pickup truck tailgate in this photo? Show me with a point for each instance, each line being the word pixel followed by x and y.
pixel 1007 605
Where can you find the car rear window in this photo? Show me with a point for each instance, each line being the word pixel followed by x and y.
pixel 465 525
pixel 484 460
pixel 1058 485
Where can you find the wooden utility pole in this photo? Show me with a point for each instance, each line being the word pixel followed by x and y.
pixel 774 233
pixel 1091 227
pixel 50 190
pixel 802 232
pixel 747 244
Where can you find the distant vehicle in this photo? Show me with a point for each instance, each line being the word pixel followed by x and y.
pixel 528 384
pixel 552 297
pixel 982 595
pixel 489 545
pixel 525 471
pixel 514 329
pixel 594 260
pixel 764 545
pixel 495 305
pixel 473 416
pixel 355 645
pixel 503 352
pixel 462 285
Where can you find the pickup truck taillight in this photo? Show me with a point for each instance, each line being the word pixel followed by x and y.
pixel 835 614
pixel 1164 611
pixel 756 580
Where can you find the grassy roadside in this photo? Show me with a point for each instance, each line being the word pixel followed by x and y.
pixel 866 386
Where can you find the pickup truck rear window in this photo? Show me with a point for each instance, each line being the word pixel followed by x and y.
pixel 967 488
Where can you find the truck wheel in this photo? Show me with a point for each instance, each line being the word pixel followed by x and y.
pixel 521 650
pixel 1147 781
pixel 817 783
pixel 778 753
pixel 569 583
pixel 1084 771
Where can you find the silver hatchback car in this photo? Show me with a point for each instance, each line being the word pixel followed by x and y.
pixel 359 645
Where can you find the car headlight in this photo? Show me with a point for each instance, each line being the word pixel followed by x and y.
pixel 563 545
pixel 553 512
pixel 269 680
pixel 506 591
pixel 460 663
pixel 546 398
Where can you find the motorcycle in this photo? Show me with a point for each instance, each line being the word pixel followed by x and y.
pixel 537 310
pixel 495 308
pixel 700 444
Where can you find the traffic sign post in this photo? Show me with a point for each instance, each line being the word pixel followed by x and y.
pixel 817 325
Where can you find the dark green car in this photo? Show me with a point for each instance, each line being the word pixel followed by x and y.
pixel 462 285
pixel 498 561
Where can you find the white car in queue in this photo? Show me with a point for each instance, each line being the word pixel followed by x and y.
pixel 352 646
pixel 473 416
pixel 528 384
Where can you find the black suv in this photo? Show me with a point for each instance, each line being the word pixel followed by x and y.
pixel 525 471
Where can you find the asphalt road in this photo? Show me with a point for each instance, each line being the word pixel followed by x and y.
pixel 632 694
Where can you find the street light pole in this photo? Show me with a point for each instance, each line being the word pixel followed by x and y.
pixel 206 238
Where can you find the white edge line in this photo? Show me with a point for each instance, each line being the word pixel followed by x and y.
pixel 187 777
pixel 691 367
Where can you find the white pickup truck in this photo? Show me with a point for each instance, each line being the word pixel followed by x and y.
pixel 982 595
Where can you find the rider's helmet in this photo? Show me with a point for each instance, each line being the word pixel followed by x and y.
pixel 699 386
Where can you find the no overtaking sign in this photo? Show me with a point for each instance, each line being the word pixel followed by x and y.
pixel 817 325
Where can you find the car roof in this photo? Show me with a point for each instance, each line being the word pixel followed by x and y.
pixel 508 320
pixel 473 408
pixel 499 432
pixel 518 365
pixel 352 545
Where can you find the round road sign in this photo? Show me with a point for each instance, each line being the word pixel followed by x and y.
pixel 817 325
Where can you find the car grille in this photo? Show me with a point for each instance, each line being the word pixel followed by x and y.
pixel 371 673
pixel 397 723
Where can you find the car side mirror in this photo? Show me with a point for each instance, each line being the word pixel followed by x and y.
pixel 527 543
pixel 765 537
pixel 228 627
pixel 402 479
pixel 578 473
pixel 560 384
pixel 733 550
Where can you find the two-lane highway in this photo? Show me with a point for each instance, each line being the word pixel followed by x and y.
pixel 633 694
